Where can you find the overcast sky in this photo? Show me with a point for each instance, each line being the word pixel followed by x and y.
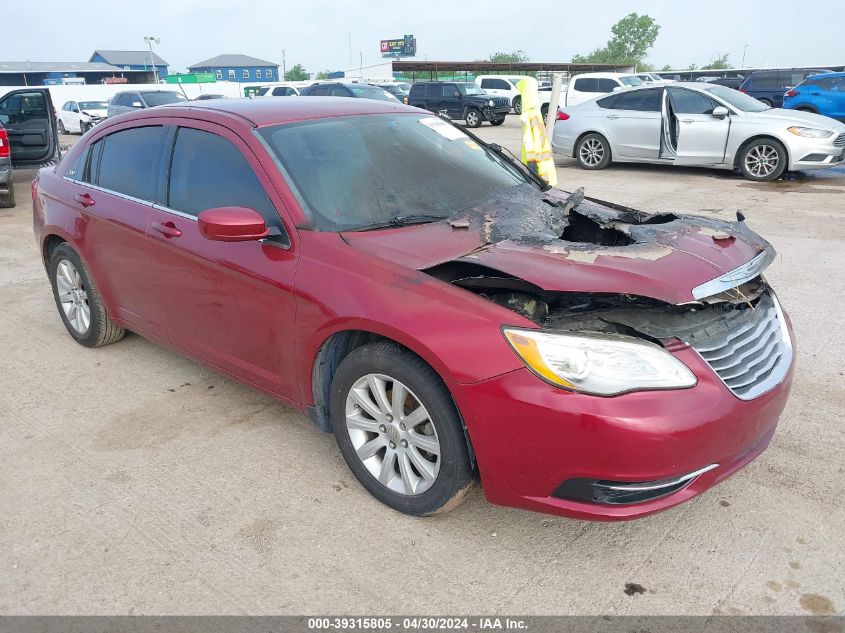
pixel 315 33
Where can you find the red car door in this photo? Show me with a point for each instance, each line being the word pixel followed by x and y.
pixel 111 189
pixel 230 304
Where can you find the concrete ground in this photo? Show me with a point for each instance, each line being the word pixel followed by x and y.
pixel 137 482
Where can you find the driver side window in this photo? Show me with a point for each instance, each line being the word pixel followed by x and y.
pixel 689 102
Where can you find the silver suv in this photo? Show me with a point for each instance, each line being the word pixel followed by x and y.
pixel 140 99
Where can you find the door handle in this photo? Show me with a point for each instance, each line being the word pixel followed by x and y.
pixel 84 199
pixel 612 116
pixel 687 120
pixel 168 229
pixel 814 94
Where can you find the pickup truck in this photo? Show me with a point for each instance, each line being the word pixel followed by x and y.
pixel 28 135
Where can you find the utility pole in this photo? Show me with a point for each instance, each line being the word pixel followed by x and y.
pixel 744 50
pixel 149 40
pixel 350 49
pixel 284 67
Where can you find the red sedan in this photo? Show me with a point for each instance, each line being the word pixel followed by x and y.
pixel 425 297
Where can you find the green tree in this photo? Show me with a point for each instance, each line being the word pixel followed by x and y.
pixel 297 73
pixel 665 68
pixel 323 74
pixel 631 38
pixel 514 57
pixel 692 67
pixel 718 63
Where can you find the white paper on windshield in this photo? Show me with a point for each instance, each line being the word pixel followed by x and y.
pixel 445 130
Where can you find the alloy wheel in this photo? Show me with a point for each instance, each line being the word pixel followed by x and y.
pixel 591 152
pixel 73 297
pixel 762 160
pixel 392 434
pixel 472 118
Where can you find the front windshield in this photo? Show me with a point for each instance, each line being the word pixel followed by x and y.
pixel 162 98
pixel 371 92
pixel 737 99
pixel 472 89
pixel 631 80
pixel 93 105
pixel 355 171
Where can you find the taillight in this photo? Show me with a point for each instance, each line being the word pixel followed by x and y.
pixel 790 93
pixel 5 151
pixel 562 116
pixel 742 90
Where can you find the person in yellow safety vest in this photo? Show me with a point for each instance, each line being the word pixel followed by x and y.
pixel 536 148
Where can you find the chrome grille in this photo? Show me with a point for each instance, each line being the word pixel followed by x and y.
pixel 754 353
pixel 839 141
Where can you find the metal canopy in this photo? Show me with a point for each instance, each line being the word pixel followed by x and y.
pixel 515 67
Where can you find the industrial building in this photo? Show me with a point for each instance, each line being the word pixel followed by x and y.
pixel 68 73
pixel 132 60
pixel 239 68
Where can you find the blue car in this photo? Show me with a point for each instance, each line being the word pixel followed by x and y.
pixel 768 86
pixel 822 94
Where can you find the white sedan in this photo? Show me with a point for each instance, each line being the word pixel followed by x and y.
pixel 81 116
pixel 697 124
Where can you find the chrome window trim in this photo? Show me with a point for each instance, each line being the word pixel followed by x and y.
pixel 736 277
pixel 181 214
pixel 110 192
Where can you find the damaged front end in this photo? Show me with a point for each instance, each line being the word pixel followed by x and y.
pixel 694 282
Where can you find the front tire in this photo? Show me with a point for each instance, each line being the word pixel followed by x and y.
pixel 79 302
pixel 544 111
pixel 8 201
pixel 399 430
pixel 763 160
pixel 473 118
pixel 517 105
pixel 62 129
pixel 593 152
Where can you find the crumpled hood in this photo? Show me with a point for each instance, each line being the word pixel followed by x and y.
pixel 567 243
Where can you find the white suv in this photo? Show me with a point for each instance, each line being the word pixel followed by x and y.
pixel 591 85
pixel 503 86
pixel 81 116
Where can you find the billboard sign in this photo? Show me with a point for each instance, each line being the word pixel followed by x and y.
pixel 399 47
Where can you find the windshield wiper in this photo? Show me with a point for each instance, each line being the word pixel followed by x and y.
pixel 400 220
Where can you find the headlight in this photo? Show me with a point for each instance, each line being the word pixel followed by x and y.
pixel 598 365
pixel 491 103
pixel 810 132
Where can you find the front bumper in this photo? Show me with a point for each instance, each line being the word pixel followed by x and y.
pixel 815 153
pixel 529 438
pixel 492 114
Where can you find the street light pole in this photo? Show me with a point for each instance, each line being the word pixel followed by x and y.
pixel 284 66
pixel 744 50
pixel 149 40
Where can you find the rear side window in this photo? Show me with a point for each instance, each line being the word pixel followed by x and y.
pixel 495 84
pixel 767 81
pixel 606 85
pixel 434 91
pixel 640 100
pixel 129 163
pixel 417 90
pixel 128 99
pixel 339 91
pixel 207 172
pixel 689 102
pixel 586 85
pixel 320 91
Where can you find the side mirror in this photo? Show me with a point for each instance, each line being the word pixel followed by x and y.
pixel 232 224
pixel 720 112
pixel 137 104
pixel 618 88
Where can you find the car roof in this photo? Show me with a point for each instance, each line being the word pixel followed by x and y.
pixel 603 75
pixel 262 112
pixel 826 75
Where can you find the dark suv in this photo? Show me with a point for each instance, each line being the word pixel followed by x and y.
pixel 460 100
pixel 768 86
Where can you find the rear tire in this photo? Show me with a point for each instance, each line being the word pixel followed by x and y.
pixel 62 129
pixel 805 109
pixel 78 300
pixel 497 122
pixel 766 102
pixel 592 152
pixel 411 454
pixel 763 160
pixel 474 118
pixel 7 201
pixel 544 110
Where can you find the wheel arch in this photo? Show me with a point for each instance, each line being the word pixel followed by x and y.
pixel 50 242
pixel 760 137
pixel 328 358
pixel 593 131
